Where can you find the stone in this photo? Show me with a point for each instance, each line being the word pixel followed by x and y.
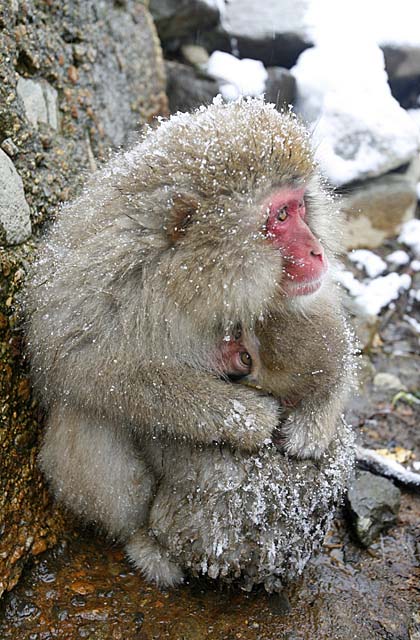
pixel 373 503
pixel 9 147
pixel 188 89
pixel 195 55
pixel 280 87
pixel 359 130
pixel 388 381
pixel 377 208
pixel 40 101
pixel 176 19
pixel 402 64
pixel 15 221
pixel 276 33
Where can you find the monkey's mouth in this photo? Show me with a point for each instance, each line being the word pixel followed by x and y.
pixel 304 288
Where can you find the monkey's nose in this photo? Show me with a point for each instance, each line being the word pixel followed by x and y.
pixel 316 250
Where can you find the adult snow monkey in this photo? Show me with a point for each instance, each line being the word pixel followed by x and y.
pixel 171 246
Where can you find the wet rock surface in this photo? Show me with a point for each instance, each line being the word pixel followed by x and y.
pixel 86 589
pixel 373 504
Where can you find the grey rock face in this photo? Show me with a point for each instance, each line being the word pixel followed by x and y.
pixel 280 86
pixel 66 48
pixel 40 101
pixel 187 89
pixel 373 505
pixel 14 210
pixel 175 19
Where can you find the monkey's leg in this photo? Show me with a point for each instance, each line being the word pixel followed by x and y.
pixel 99 473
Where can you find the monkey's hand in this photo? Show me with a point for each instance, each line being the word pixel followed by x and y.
pixel 251 421
pixel 308 432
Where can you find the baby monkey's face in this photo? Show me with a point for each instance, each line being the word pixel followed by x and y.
pixel 239 356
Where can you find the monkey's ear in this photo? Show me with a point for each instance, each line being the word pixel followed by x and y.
pixel 184 207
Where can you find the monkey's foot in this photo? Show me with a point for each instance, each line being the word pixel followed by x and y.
pixel 152 560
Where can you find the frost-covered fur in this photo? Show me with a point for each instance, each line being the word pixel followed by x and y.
pixel 136 283
pixel 252 519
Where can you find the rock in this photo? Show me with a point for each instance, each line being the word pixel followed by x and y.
pixel 15 221
pixel 176 19
pixel 359 129
pixel 129 78
pixel 276 34
pixel 195 55
pixel 9 147
pixel 280 87
pixel 414 626
pixel 373 503
pixel 377 208
pixel 402 64
pixel 237 77
pixel 388 381
pixel 187 88
pixel 40 101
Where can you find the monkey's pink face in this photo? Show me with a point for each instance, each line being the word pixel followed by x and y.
pixel 305 263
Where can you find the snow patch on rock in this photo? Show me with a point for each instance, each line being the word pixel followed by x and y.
pixel 236 77
pixel 369 261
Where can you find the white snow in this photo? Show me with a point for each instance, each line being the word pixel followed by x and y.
pixel 415 265
pixel 383 22
pixel 369 261
pixel 347 279
pixel 359 129
pixel 413 322
pixel 398 257
pixel 415 295
pixel 410 235
pixel 236 77
pixel 372 296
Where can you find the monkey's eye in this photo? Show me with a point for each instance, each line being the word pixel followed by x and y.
pixel 246 358
pixel 281 214
pixel 301 204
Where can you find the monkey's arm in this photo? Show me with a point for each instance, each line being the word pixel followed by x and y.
pixel 309 428
pixel 181 403
pixel 314 367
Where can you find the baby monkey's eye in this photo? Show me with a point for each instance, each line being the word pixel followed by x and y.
pixel 282 214
pixel 301 203
pixel 246 359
